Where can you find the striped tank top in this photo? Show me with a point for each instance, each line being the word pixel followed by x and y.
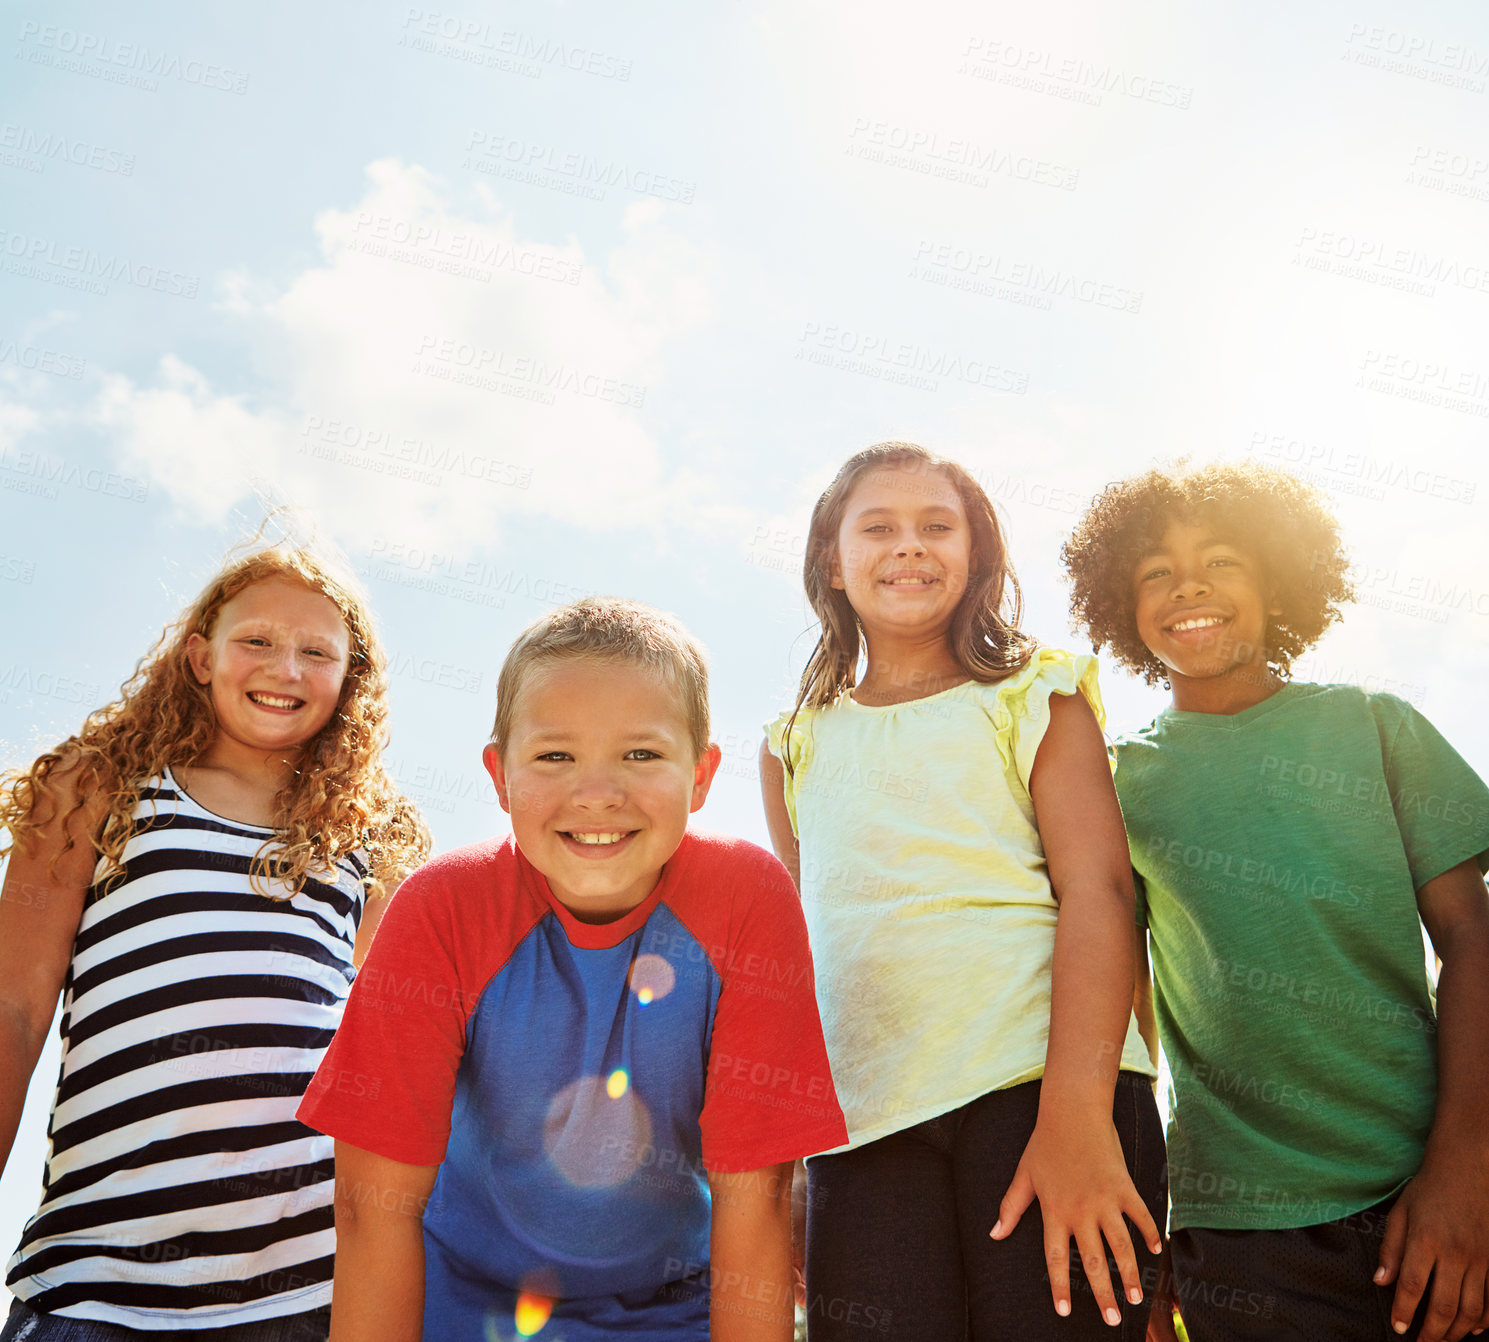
pixel 180 1190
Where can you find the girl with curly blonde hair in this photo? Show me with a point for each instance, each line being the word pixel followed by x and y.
pixel 191 871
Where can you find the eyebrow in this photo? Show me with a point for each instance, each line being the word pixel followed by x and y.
pixel 925 508
pixel 254 623
pixel 562 736
pixel 279 626
pixel 1209 543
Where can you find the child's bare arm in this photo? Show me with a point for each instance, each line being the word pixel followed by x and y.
pixel 1073 1163
pixel 372 913
pixel 777 817
pixel 378 1289
pixel 40 909
pixel 1440 1224
pixel 751 1297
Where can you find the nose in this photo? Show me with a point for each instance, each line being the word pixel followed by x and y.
pixel 598 787
pixel 284 662
pixel 1190 581
pixel 909 543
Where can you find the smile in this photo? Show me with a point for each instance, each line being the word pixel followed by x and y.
pixel 598 839
pixel 908 582
pixel 1200 622
pixel 274 700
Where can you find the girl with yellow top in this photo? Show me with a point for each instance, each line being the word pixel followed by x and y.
pixel 950 818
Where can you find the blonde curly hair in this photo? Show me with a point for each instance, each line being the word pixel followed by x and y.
pixel 339 798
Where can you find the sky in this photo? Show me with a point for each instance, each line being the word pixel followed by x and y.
pixel 521 303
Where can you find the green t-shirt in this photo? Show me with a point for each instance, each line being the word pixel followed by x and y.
pixel 1278 852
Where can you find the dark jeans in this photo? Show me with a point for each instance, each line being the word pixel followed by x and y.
pixel 25 1325
pixel 1288 1285
pixel 897 1230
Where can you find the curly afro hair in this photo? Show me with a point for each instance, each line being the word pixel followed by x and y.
pixel 1283 522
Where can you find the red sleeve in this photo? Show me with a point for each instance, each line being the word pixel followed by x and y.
pixel 769 1096
pixel 387 1081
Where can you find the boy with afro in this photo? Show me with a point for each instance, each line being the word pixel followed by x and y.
pixel 1329 1123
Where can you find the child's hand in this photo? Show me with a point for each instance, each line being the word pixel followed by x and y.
pixel 1439 1227
pixel 1076 1170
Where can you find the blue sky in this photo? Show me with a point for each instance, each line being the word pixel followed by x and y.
pixel 528 302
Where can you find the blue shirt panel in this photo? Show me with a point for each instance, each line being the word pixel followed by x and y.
pixel 574 1166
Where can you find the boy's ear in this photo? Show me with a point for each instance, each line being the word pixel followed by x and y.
pixel 491 757
pixel 703 772
pixel 199 658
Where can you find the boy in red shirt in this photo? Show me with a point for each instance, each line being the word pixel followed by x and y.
pixel 579 1062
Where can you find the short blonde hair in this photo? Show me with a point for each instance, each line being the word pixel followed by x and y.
pixel 609 629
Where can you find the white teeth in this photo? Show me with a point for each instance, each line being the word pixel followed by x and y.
pixel 597 838
pixel 1204 622
pixel 274 701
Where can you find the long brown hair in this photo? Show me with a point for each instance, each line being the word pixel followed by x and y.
pixel 339 798
pixel 984 636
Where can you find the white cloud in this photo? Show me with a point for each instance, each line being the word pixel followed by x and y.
pixel 436 372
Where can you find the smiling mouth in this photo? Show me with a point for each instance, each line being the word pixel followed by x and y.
pixel 601 840
pixel 1199 622
pixel 908 582
pixel 282 701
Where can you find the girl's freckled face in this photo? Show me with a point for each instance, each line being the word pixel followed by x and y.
pixel 904 551
pixel 274 664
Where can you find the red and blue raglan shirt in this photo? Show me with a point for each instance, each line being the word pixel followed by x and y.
pixel 575 1081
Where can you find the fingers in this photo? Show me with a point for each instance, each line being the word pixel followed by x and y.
pixel 1470 1308
pixel 1453 1307
pixel 1126 1259
pixel 1057 1260
pixel 1138 1213
pixel 1416 1268
pixel 1392 1245
pixel 1093 1259
pixel 1015 1203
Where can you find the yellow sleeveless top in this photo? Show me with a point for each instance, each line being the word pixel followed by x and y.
pixel 926 892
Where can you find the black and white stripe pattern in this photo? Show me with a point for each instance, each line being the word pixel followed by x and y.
pixel 180 1190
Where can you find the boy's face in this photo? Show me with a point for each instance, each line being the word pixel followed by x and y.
pixel 599 778
pixel 1202 608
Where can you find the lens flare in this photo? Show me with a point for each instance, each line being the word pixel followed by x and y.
pixel 532 1313
pixel 651 978
pixel 597 1132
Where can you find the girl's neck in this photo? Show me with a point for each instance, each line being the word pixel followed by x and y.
pixel 236 781
pixel 898 670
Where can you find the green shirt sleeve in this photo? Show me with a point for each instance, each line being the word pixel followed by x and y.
pixel 1441 804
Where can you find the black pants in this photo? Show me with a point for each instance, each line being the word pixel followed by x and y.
pixel 1288 1285
pixel 897 1230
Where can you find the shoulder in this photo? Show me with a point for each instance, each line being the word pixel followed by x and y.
pixel 788 734
pixel 469 904
pixel 453 876
pixel 710 856
pixel 1048 671
pixel 1307 694
pixel 723 881
pixel 1346 707
pixel 737 902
